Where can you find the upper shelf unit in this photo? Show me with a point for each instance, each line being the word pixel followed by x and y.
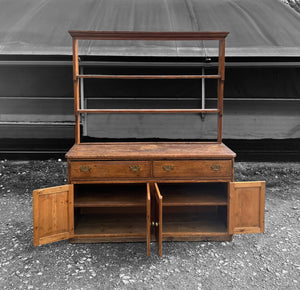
pixel 145 36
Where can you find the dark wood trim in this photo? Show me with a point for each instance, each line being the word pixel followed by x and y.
pixel 147 35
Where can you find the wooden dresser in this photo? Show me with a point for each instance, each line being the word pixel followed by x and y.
pixel 142 191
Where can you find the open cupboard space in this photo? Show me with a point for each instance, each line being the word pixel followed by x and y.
pixel 135 212
pixel 114 212
pixel 192 222
pixel 193 210
pixel 100 222
pixel 148 191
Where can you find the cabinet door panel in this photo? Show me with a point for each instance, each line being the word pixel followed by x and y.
pixel 53 214
pixel 246 207
pixel 158 228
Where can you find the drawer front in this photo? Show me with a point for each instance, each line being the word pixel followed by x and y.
pixel 192 168
pixel 109 169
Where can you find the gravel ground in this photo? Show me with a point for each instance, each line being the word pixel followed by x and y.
pixel 256 261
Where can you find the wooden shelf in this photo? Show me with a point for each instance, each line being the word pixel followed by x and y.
pixel 192 225
pixel 111 196
pixel 148 76
pixel 80 111
pixel 114 225
pixel 188 194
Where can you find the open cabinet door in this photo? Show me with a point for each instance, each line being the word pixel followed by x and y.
pixel 246 207
pixel 158 220
pixel 53 214
pixel 148 219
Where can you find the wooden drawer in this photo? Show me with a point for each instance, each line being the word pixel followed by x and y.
pixel 87 170
pixel 192 168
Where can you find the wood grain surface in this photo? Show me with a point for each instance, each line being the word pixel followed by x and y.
pixel 53 218
pixel 150 150
pixel 246 207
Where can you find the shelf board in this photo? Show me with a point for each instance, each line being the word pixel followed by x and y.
pixel 111 225
pixel 111 196
pixel 80 111
pixel 192 225
pixel 193 194
pixel 94 76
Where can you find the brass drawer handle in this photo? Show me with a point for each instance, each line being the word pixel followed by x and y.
pixel 135 168
pixel 216 167
pixel 168 168
pixel 85 169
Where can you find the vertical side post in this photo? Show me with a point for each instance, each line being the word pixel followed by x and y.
pixel 202 115
pixel 76 90
pixel 203 90
pixel 221 72
pixel 83 117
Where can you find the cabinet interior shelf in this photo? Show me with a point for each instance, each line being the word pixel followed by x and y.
pixel 116 224
pixel 110 196
pixel 193 194
pixel 194 224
